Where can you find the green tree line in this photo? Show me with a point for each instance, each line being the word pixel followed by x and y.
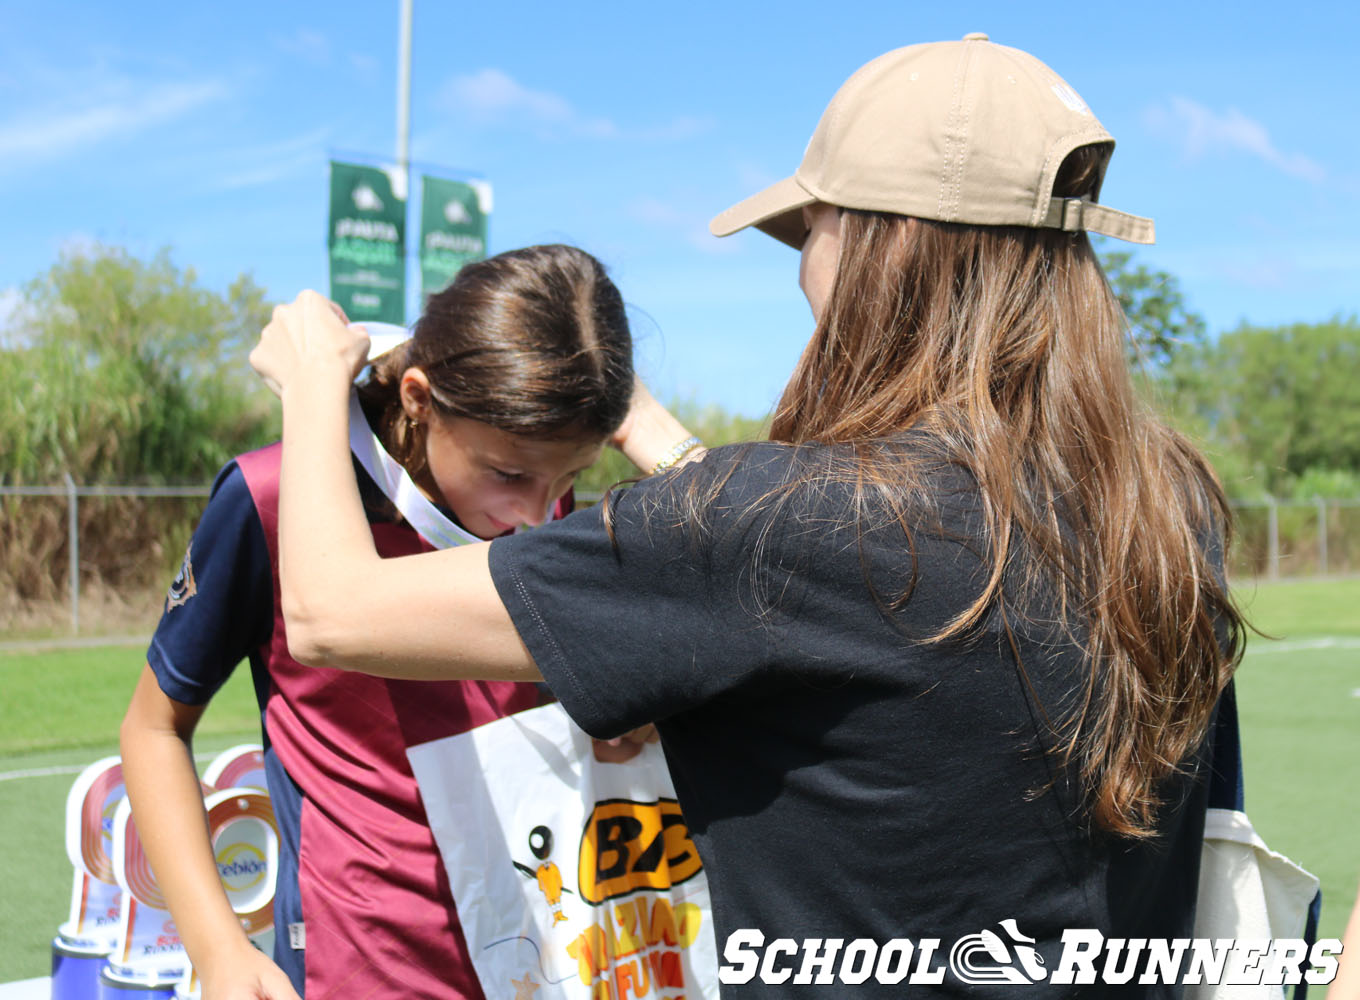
pixel 1277 408
pixel 120 371
pixel 128 370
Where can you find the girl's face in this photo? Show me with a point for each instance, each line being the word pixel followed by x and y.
pixel 492 480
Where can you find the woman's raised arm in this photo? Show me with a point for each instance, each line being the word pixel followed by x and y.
pixel 430 616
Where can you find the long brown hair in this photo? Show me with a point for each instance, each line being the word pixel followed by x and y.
pixel 1006 348
pixel 533 341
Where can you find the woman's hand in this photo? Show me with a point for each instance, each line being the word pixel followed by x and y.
pixel 622 749
pixel 308 339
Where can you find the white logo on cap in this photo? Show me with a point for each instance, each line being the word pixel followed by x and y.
pixel 1070 97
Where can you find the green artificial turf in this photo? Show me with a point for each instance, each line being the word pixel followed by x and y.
pixel 76 698
pixel 1297 609
pixel 60 712
pixel 1297 698
pixel 1300 718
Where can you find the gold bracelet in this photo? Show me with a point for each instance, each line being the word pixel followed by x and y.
pixel 679 451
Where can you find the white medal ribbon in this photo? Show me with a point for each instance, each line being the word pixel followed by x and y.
pixel 428 520
pixel 396 484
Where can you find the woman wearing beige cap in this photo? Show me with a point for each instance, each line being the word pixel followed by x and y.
pixel 934 663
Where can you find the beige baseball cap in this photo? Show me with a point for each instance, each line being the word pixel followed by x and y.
pixel 966 131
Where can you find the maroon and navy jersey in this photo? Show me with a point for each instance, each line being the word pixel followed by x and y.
pixel 360 875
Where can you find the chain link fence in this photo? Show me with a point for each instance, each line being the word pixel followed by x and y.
pixel 58 540
pixel 1278 539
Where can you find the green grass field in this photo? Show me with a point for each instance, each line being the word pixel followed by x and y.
pixel 1300 713
pixel 1299 702
pixel 60 712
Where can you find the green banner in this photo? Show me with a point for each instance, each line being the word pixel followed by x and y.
pixel 452 229
pixel 368 243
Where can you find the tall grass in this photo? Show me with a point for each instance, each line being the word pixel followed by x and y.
pixel 120 370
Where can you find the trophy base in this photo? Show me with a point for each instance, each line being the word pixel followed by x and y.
pixel 113 986
pixel 75 968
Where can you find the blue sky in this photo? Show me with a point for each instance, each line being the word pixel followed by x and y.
pixel 624 127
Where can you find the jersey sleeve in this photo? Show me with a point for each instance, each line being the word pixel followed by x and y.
pixel 640 627
pixel 221 605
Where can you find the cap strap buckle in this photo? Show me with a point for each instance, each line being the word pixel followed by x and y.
pixel 1075 214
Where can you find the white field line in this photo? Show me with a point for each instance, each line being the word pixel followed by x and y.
pixel 1283 646
pixel 71 642
pixel 1303 645
pixel 27 989
pixel 48 772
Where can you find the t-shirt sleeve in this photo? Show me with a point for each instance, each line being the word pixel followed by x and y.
pixel 643 626
pixel 221 605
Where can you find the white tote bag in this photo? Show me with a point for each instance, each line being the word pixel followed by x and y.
pixel 1247 892
pixel 573 878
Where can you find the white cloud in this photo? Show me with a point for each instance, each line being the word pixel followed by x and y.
pixel 492 95
pixel 1295 264
pixel 307 44
pixel 1275 273
pixel 654 211
pixel 679 128
pixel 268 173
pixel 275 161
pixel 10 301
pixel 1323 268
pixel 688 223
pixel 755 177
pixel 119 112
pixel 78 244
pixel 1203 130
pixel 364 64
pixel 13 333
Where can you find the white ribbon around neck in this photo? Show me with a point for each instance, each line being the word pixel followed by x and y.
pixel 429 521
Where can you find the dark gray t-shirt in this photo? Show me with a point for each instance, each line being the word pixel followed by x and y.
pixel 841 777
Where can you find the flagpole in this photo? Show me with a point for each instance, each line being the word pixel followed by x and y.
pixel 404 112
pixel 404 92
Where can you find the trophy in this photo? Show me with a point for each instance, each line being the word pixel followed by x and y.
pixel 148 957
pixel 84 941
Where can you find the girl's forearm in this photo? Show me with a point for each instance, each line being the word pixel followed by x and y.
pixel 167 803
